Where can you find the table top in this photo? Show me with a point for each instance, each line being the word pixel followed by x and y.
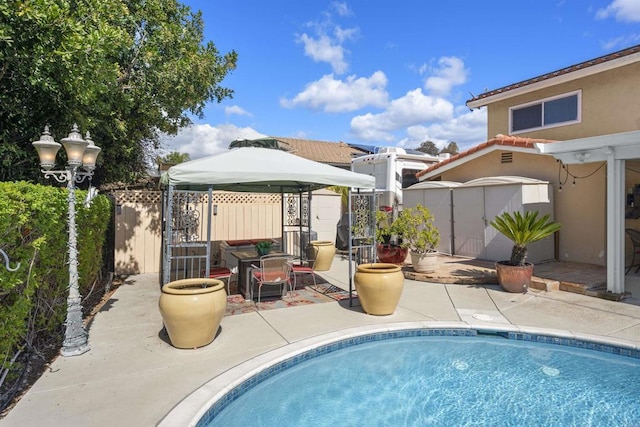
pixel 251 254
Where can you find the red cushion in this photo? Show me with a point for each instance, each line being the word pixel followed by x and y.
pixel 238 242
pixel 219 272
pixel 301 269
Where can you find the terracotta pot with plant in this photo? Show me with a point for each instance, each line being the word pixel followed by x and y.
pixel 388 248
pixel 515 275
pixel 415 225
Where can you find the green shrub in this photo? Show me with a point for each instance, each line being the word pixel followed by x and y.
pixel 34 233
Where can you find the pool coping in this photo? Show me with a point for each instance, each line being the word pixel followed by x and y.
pixel 196 405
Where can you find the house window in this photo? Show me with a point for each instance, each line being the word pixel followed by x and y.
pixel 551 112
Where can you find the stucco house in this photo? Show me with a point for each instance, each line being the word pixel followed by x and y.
pixel 577 128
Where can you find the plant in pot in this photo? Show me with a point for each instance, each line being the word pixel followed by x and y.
pixel 415 225
pixel 388 248
pixel 263 247
pixel 515 275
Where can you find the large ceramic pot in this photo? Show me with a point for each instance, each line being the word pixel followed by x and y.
pixel 514 278
pixel 424 262
pixel 391 254
pixel 192 310
pixel 321 252
pixel 379 286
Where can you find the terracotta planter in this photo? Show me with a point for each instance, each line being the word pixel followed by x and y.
pixel 379 287
pixel 192 310
pixel 425 262
pixel 392 254
pixel 514 278
pixel 321 252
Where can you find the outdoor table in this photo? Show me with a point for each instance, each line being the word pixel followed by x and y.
pixel 245 260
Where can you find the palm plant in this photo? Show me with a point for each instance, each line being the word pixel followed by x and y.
pixel 522 230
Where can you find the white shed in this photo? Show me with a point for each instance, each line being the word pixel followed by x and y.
pixel 437 197
pixel 477 202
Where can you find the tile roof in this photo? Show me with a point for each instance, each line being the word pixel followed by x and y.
pixel 333 153
pixel 498 140
pixel 563 71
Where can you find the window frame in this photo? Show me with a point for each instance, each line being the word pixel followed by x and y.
pixel 542 102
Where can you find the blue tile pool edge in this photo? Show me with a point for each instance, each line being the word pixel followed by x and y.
pixel 557 339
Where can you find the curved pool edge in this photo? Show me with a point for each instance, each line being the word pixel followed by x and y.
pixel 195 406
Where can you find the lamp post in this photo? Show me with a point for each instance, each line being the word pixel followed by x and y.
pixel 80 153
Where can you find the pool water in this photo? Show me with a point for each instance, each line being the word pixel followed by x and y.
pixel 444 381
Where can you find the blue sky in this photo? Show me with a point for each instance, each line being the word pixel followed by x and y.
pixel 388 73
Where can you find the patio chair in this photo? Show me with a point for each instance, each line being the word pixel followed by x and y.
pixel 299 267
pixel 634 235
pixel 221 272
pixel 274 270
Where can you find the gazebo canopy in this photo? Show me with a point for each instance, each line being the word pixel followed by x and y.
pixel 261 170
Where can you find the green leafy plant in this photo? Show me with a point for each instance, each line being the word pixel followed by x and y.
pixel 384 223
pixel 264 246
pixel 522 230
pixel 415 225
pixel 33 298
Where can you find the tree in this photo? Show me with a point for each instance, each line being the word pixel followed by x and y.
pixel 451 148
pixel 174 158
pixel 428 147
pixel 125 70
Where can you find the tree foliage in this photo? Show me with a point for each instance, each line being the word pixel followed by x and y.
pixel 123 69
pixel 174 158
pixel 429 147
pixel 451 148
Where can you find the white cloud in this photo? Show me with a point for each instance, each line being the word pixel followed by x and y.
pixel 201 140
pixel 466 130
pixel 412 109
pixel 234 109
pixel 450 72
pixel 326 44
pixel 334 95
pixel 323 49
pixel 341 8
pixel 619 42
pixel 622 10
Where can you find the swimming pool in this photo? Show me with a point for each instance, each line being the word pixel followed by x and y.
pixel 438 377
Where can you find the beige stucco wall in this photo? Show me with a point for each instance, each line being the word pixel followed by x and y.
pixel 581 209
pixel 610 104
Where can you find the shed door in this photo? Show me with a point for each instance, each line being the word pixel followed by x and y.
pixel 438 201
pixel 499 199
pixel 468 215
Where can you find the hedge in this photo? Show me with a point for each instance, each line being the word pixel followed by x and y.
pixel 34 233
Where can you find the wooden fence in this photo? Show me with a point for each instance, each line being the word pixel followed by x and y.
pixel 237 216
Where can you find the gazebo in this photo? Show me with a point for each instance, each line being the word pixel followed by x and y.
pixel 257 170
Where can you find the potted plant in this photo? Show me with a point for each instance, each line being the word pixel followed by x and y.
pixel 263 247
pixel 388 248
pixel 415 225
pixel 515 275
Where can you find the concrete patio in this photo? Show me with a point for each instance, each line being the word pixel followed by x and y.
pixel 132 376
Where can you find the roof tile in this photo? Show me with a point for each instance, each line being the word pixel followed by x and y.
pixel 504 140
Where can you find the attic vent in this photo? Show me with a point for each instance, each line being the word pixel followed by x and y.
pixel 507 157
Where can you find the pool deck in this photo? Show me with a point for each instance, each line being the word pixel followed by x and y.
pixel 133 377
